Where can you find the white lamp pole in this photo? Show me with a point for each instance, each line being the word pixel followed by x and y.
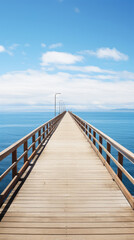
pixel 55 102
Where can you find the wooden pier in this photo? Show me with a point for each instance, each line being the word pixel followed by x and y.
pixel 70 193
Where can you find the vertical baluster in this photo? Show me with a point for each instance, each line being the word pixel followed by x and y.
pixel 94 134
pixel 48 128
pixel 51 125
pixel 84 126
pixel 89 133
pixel 109 150
pixel 33 141
pixel 120 160
pixel 44 132
pixel 14 159
pixel 100 148
pixel 25 149
pixel 39 134
pixel 86 129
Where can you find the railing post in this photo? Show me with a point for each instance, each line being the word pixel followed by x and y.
pixel 89 133
pixel 83 127
pixel 33 141
pixel 94 134
pixel 52 125
pixel 14 159
pixel 86 129
pixel 109 150
pixel 100 148
pixel 39 134
pixel 44 132
pixel 25 150
pixel 120 160
pixel 48 128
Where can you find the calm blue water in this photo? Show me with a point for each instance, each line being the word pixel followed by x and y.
pixel 118 125
pixel 14 126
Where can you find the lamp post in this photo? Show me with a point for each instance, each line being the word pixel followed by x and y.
pixel 55 102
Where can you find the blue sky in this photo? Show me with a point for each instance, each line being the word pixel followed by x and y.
pixel 79 47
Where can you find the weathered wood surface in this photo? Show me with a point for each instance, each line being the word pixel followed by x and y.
pixel 69 195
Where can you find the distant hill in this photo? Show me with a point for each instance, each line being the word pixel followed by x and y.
pixel 124 109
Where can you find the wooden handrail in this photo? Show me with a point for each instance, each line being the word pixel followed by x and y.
pixel 15 145
pixel 44 131
pixel 122 152
pixel 128 154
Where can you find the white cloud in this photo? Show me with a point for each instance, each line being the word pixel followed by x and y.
pixel 55 45
pixel 30 89
pixel 85 69
pixel 54 57
pixel 77 10
pixel 126 75
pixel 2 49
pixel 107 53
pixel 43 45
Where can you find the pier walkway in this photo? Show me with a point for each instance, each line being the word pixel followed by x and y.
pixel 69 195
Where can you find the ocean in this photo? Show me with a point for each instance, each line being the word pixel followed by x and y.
pixel 117 125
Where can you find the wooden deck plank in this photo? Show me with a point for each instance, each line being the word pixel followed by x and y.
pixel 67 225
pixel 67 231
pixel 70 220
pixel 68 195
pixel 67 237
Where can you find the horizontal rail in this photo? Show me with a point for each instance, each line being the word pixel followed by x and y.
pixel 90 131
pixel 44 131
pixel 128 154
pixel 11 148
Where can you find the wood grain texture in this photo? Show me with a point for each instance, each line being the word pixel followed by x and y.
pixel 69 195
